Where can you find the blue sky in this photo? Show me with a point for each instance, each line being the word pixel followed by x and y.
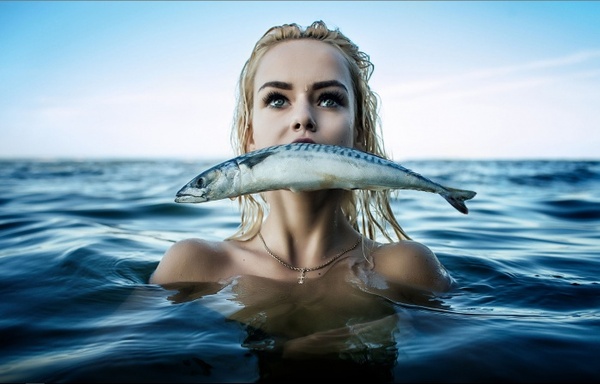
pixel 464 80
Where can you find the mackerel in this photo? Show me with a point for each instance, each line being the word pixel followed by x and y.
pixel 310 167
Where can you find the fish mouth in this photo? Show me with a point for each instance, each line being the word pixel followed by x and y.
pixel 190 199
pixel 304 140
pixel 185 198
pixel 190 195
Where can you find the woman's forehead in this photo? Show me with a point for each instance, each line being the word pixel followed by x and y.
pixel 302 62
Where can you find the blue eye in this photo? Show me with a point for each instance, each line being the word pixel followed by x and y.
pixel 275 100
pixel 332 100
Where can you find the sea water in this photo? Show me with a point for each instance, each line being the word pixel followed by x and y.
pixel 79 240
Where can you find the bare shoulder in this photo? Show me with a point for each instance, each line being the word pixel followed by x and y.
pixel 411 263
pixel 192 260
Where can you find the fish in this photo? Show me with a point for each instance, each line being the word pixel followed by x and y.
pixel 305 166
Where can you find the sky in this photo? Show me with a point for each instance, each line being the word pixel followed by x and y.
pixel 457 80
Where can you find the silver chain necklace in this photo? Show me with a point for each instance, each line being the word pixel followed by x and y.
pixel 304 270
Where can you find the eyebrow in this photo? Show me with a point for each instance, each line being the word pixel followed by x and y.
pixel 329 83
pixel 276 84
pixel 316 86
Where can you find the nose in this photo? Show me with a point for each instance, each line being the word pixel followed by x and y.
pixel 303 118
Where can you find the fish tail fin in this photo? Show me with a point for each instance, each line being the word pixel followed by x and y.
pixel 457 197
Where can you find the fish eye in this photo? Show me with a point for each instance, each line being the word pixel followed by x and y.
pixel 200 182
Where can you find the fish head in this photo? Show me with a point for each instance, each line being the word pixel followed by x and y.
pixel 213 184
pixel 194 191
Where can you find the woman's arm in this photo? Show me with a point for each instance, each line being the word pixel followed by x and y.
pixel 412 264
pixel 189 261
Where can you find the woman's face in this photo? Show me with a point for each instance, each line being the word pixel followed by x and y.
pixel 302 92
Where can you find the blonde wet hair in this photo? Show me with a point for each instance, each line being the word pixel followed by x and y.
pixel 369 212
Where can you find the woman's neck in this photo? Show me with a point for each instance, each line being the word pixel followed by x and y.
pixel 305 229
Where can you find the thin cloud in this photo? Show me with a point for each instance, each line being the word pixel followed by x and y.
pixel 479 81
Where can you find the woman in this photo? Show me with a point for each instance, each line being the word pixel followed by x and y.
pixel 309 85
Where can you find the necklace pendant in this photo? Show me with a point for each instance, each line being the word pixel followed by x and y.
pixel 301 278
